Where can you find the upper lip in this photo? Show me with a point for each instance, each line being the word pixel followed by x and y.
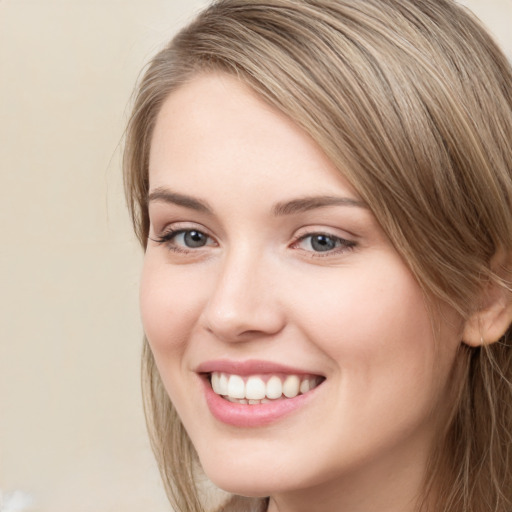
pixel 249 367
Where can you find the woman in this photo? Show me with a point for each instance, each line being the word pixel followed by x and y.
pixel 323 189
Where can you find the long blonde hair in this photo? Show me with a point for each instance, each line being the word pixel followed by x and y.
pixel 413 101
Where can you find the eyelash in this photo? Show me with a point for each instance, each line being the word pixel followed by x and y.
pixel 341 244
pixel 169 236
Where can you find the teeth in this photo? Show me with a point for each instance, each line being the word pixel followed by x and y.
pixel 236 387
pixel 215 383
pixel 305 386
pixel 291 386
pixel 274 387
pixel 223 384
pixel 253 390
pixel 236 401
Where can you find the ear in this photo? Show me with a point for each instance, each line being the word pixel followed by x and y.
pixel 493 317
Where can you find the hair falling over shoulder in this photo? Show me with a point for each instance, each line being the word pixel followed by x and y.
pixel 413 100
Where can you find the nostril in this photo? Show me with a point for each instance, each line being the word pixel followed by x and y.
pixel 246 328
pixel 242 305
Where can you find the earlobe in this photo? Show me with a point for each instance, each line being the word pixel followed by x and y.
pixel 488 326
pixel 492 319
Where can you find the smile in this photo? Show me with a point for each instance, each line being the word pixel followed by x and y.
pixel 261 389
pixel 255 393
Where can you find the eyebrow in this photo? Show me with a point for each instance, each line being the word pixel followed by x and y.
pixel 305 204
pixel 166 196
pixel 283 208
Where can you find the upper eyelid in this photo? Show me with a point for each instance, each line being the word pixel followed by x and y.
pixel 167 240
pixel 333 232
pixel 174 228
pixel 347 244
pixel 166 234
pixel 323 233
pixel 181 226
pixel 172 232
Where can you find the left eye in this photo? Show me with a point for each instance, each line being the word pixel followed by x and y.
pixel 191 239
pixel 180 240
pixel 320 242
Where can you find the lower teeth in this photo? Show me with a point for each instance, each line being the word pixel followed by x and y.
pixel 244 401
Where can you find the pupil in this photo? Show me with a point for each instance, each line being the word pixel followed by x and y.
pixel 194 239
pixel 322 243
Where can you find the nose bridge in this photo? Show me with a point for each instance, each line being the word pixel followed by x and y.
pixel 243 302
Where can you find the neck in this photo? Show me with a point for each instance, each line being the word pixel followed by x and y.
pixel 394 483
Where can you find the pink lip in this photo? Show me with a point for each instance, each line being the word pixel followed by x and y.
pixel 244 416
pixel 240 415
pixel 250 367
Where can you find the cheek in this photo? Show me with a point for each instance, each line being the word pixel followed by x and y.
pixel 169 304
pixel 377 330
pixel 366 309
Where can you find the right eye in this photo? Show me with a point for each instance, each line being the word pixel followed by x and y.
pixel 191 239
pixel 184 240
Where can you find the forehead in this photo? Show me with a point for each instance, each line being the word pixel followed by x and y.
pixel 216 129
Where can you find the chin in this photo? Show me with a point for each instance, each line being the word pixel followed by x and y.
pixel 242 485
pixel 244 476
pixel 251 478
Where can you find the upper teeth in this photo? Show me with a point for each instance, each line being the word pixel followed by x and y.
pixel 261 388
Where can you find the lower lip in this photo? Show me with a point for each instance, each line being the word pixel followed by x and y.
pixel 258 415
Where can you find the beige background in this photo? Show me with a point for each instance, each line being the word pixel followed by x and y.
pixel 72 434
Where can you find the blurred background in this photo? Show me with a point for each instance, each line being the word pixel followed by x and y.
pixel 72 433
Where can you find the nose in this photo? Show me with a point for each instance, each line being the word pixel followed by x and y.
pixel 243 304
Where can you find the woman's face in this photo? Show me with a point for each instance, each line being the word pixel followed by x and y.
pixel 266 274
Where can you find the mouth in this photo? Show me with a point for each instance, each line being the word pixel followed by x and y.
pixel 261 389
pixel 256 393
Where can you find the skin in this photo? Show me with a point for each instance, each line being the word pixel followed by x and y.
pixel 258 289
